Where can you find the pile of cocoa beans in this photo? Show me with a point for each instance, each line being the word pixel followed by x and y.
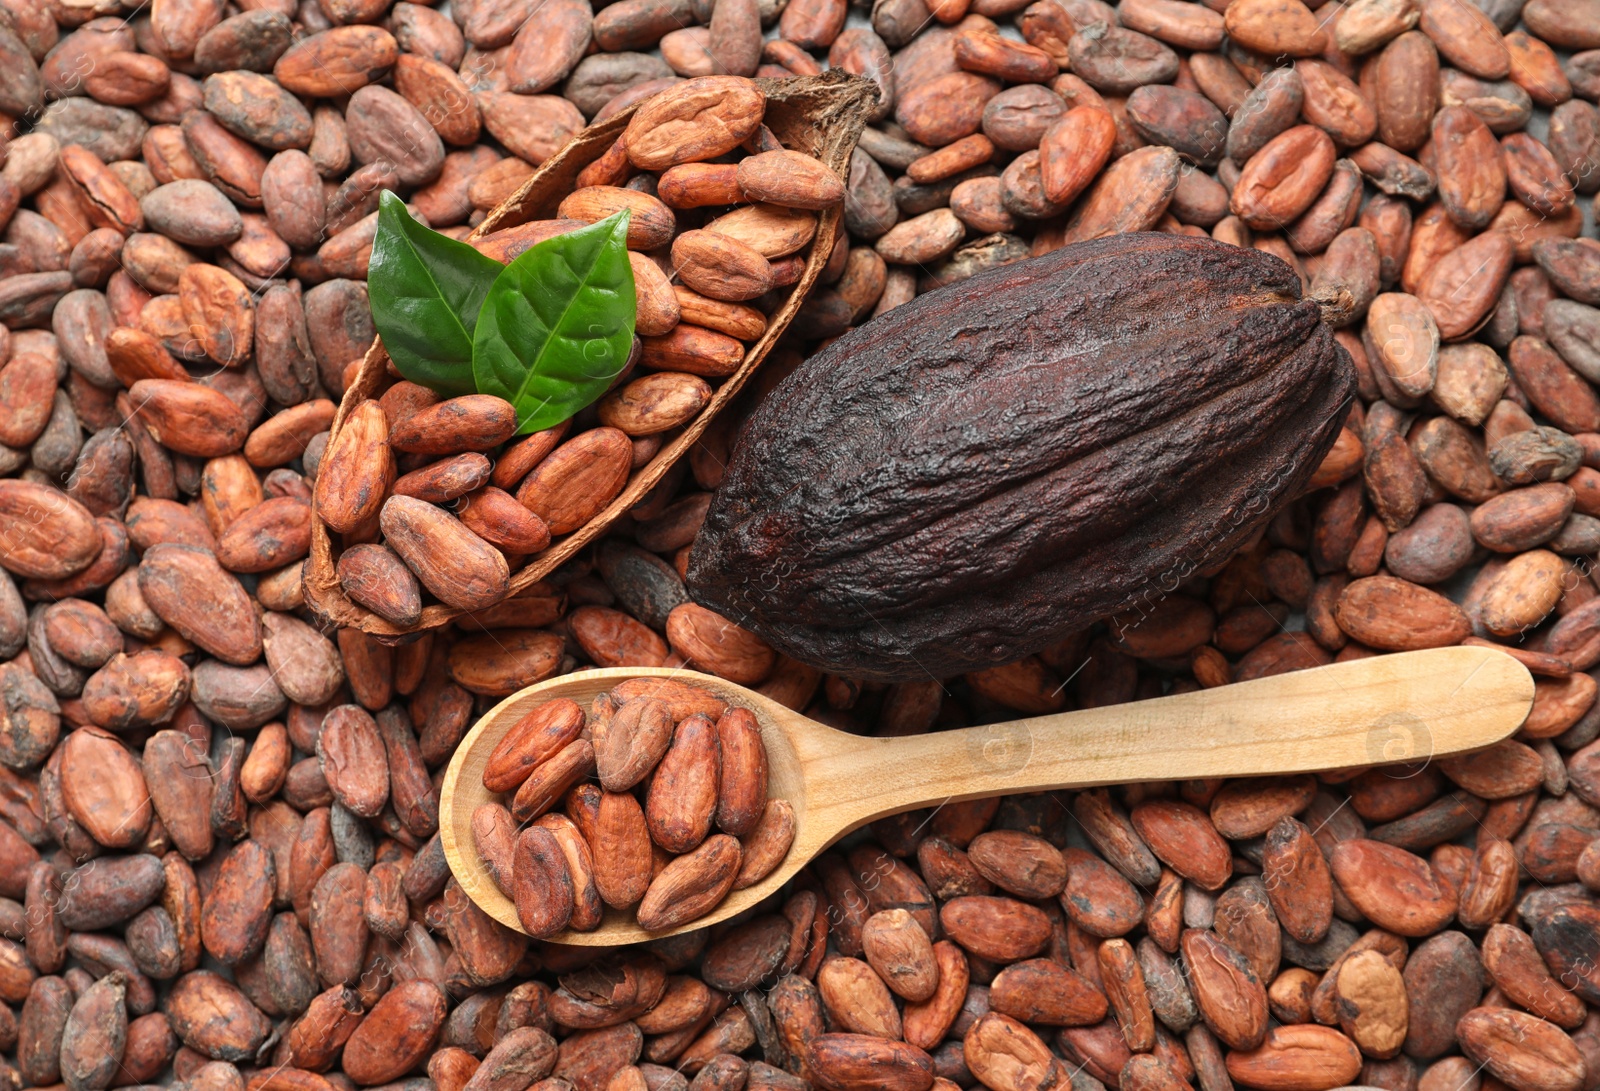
pixel 689 333
pixel 702 765
pixel 219 858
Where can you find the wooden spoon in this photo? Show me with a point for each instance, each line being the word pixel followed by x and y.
pixel 1415 706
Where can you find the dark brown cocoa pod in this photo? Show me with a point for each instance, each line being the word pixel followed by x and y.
pixel 924 614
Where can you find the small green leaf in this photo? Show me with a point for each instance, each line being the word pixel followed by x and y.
pixel 426 290
pixel 557 326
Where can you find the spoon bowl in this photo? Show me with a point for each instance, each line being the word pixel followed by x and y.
pixel 463 792
pixel 1414 706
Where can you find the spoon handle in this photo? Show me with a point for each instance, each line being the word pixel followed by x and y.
pixel 1414 706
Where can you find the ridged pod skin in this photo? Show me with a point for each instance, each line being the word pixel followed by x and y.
pixel 976 474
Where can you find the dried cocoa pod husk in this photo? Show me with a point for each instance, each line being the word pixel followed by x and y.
pixel 820 116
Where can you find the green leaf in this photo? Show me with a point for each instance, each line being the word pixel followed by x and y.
pixel 557 326
pixel 426 290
